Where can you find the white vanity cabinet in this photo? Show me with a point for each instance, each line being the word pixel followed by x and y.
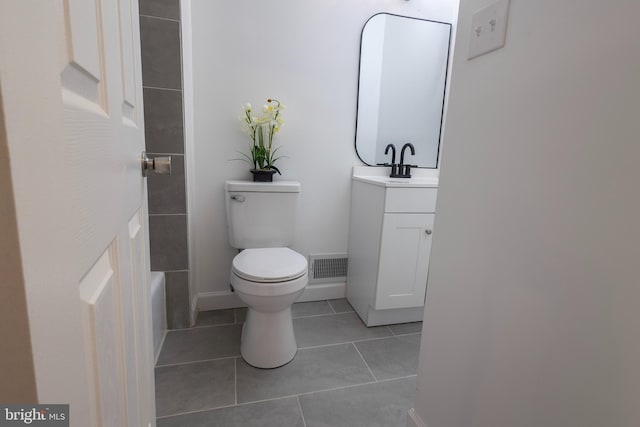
pixel 403 260
pixel 389 245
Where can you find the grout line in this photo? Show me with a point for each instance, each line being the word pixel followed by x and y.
pixel 365 362
pixel 299 348
pixel 197 361
pixel 165 154
pixel 169 214
pixel 327 389
pixel 409 333
pixel 160 17
pixel 204 326
pixel 324 345
pixel 346 342
pixel 292 316
pixel 357 385
pixel 177 414
pixel 313 315
pixel 200 327
pixel 304 422
pixel 289 396
pixel 161 88
pixel 235 379
pixel 332 309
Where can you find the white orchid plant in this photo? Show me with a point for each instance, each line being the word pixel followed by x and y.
pixel 261 129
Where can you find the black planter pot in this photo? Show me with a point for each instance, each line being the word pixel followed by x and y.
pixel 260 175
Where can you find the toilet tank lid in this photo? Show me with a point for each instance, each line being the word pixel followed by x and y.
pixel 263 187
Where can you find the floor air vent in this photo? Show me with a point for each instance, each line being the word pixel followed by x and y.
pixel 327 268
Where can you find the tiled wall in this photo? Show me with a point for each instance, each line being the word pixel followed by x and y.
pixel 164 133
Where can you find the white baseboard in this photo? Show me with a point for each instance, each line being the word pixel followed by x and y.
pixel 414 420
pixel 218 301
pixel 226 299
pixel 323 291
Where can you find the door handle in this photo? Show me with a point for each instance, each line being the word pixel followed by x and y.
pixel 159 165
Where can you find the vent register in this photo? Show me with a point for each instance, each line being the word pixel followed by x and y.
pixel 327 267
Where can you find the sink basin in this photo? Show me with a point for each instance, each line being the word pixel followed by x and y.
pixel 385 181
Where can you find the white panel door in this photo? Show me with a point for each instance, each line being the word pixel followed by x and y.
pixel 404 260
pixel 71 93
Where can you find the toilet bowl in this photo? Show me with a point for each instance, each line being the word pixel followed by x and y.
pixel 268 280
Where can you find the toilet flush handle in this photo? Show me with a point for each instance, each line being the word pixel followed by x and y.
pixel 237 197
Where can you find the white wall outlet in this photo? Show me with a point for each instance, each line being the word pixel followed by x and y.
pixel 488 29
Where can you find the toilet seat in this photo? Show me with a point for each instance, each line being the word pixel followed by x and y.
pixel 269 272
pixel 269 265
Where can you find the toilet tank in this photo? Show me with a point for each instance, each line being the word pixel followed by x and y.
pixel 261 214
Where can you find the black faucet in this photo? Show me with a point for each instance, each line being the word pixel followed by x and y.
pixel 404 171
pixel 394 167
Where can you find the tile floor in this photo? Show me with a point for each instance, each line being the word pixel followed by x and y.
pixel 344 373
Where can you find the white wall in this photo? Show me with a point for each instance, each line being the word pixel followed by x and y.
pixel 305 54
pixel 533 303
pixel 189 150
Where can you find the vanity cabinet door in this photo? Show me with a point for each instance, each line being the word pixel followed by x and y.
pixel 404 260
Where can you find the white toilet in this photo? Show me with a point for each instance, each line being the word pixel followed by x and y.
pixel 266 275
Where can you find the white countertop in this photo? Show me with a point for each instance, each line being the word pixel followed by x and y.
pixel 380 176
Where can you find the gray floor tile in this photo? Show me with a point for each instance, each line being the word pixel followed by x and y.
pixel 311 308
pixel 381 404
pixel 204 343
pixel 318 368
pixel 215 317
pixel 333 329
pixel 391 357
pixel 241 314
pixel 341 305
pixel 406 328
pixel 273 413
pixel 194 386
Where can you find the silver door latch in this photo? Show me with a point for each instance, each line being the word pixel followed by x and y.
pixel 160 165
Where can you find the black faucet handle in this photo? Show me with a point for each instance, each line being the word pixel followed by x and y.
pixel 407 170
pixel 393 166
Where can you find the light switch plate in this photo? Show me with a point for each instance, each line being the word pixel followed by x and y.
pixel 488 29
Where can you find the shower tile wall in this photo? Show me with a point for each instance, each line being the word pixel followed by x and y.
pixel 164 133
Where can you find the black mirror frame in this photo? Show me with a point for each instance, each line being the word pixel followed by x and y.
pixel 446 88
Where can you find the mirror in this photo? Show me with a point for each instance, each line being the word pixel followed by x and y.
pixel 403 70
